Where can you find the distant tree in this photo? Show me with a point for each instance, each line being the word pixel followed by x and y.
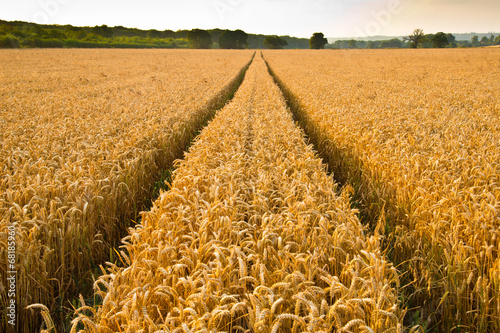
pixel 241 38
pixel 370 45
pixel 256 41
pixel 463 43
pixel 82 34
pixel 103 31
pixel 361 44
pixel 497 40
pixel 492 39
pixel 417 37
pixel 168 33
pixel 485 41
pixel 56 33
pixel 152 33
pixel 274 42
pixel 199 39
pixel 352 44
pixel 474 40
pixel 451 38
pixel 226 40
pixel 440 40
pixel 391 44
pixel 296 43
pixel 215 36
pixel 8 42
pixel 233 40
pixel 427 43
pixel 318 41
pixel 338 44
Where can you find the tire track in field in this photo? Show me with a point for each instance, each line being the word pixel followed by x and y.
pixel 372 215
pixel 162 180
pixel 251 237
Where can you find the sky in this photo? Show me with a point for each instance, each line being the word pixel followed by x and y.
pixel 300 18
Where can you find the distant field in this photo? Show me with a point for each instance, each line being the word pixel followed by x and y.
pixel 252 234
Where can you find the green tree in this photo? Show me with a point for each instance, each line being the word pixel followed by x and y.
pixel 226 40
pixel 485 41
pixel 233 40
pixel 451 38
pixel 391 44
pixel 497 40
pixel 318 41
pixel 103 31
pixel 370 45
pixel 8 42
pixel 153 33
pixel 56 33
pixel 274 42
pixel 474 40
pixel 241 38
pixel 440 40
pixel 352 44
pixel 199 39
pixel 417 37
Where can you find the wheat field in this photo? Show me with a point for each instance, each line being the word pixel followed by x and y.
pixel 84 135
pixel 417 134
pixel 310 191
pixel 251 237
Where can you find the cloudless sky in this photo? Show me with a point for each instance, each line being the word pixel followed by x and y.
pixel 335 18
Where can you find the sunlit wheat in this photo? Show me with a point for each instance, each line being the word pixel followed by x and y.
pixel 251 237
pixel 417 134
pixel 83 136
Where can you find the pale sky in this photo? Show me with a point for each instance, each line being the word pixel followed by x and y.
pixel 300 18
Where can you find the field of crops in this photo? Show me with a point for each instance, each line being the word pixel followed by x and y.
pixel 250 237
pixel 388 222
pixel 417 133
pixel 84 136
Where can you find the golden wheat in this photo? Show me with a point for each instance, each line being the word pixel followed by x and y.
pixel 251 237
pixel 417 134
pixel 84 134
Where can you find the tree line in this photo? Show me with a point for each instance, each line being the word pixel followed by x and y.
pixel 439 40
pixel 238 39
pixel 417 39
pixel 20 34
